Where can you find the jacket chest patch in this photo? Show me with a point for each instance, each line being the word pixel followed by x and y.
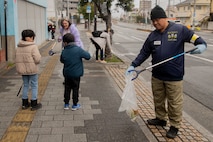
pixel 172 35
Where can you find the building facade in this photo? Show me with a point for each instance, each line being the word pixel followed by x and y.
pixel 15 16
pixel 193 12
pixel 145 9
pixel 71 7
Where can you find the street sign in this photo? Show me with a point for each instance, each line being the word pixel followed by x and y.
pixel 88 9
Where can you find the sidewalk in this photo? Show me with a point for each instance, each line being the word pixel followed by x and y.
pixel 97 121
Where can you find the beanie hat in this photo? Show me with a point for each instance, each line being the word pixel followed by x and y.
pixel 157 12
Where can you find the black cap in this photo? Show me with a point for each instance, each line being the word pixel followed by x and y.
pixel 157 12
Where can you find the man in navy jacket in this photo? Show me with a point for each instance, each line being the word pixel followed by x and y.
pixel 166 41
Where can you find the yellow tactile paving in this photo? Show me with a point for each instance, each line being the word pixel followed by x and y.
pixel 20 117
pixel 14 137
pixel 145 102
pixel 20 125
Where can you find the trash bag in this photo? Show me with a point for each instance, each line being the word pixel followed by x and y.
pixel 91 49
pixel 129 99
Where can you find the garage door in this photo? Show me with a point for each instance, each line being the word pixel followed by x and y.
pixel 31 16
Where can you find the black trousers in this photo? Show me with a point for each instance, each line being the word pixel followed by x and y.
pixel 71 84
pixel 53 36
pixel 101 53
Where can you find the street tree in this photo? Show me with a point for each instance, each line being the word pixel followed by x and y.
pixel 103 9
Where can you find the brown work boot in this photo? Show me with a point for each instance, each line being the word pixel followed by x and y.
pixel 172 133
pixel 156 121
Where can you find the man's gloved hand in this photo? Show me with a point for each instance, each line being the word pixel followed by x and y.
pixel 200 49
pixel 130 68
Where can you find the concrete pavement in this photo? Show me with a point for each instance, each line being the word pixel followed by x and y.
pixel 97 121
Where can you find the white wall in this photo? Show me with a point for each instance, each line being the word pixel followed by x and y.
pixel 31 16
pixel 50 8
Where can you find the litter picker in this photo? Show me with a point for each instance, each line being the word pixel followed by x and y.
pixel 137 72
pixel 51 52
pixel 19 90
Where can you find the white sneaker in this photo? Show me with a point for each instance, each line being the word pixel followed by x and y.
pixel 102 61
pixel 66 106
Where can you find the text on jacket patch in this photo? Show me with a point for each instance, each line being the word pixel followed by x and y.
pixel 172 35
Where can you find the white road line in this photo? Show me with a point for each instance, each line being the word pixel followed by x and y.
pixel 123 36
pixel 119 32
pixel 204 59
pixel 137 38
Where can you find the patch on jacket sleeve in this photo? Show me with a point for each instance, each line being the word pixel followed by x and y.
pixel 194 37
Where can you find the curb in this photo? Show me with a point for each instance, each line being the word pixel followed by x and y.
pixel 145 30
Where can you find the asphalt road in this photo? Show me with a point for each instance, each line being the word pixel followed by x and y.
pixel 198 79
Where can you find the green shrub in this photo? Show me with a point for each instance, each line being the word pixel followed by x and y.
pixel 113 58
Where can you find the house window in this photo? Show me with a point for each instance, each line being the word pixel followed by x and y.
pixel 198 7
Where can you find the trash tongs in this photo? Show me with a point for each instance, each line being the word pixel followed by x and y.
pixel 137 72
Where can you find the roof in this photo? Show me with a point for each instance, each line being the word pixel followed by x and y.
pixel 191 2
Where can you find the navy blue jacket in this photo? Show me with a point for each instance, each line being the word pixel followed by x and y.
pixel 165 45
pixel 71 57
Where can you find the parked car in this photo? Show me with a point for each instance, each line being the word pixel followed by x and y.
pixel 176 21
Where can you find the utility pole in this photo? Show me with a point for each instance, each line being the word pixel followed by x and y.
pixel 68 13
pixel 56 14
pixel 89 11
pixel 211 10
pixel 5 26
pixel 169 10
pixel 194 14
pixel 95 17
